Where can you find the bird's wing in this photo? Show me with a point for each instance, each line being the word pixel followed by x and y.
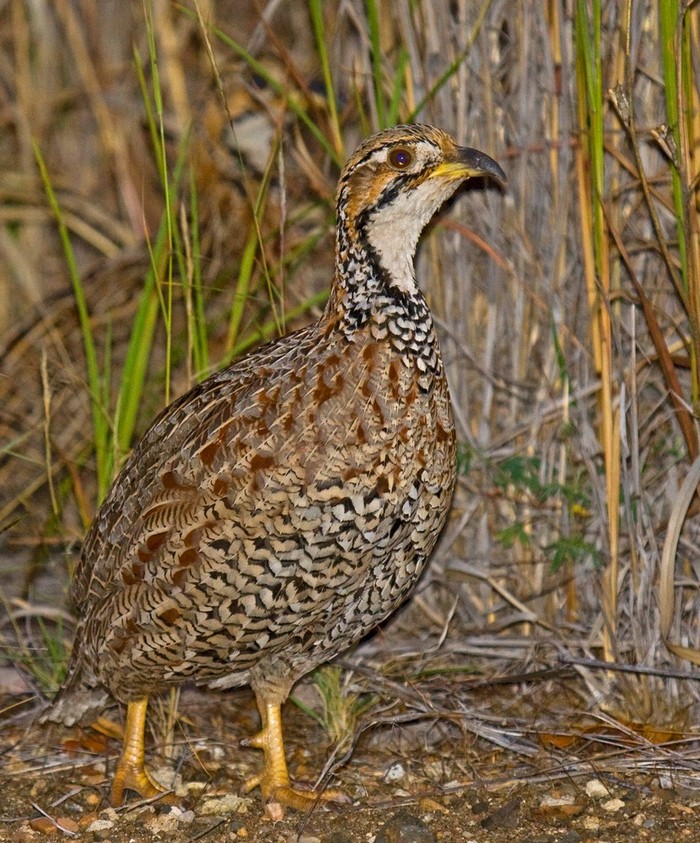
pixel 243 442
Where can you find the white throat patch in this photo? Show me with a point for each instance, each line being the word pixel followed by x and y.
pixel 394 230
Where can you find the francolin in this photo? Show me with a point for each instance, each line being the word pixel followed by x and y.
pixel 285 506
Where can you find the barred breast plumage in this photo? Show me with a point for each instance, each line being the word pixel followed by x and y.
pixel 285 506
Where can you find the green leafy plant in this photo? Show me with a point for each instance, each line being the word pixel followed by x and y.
pixel 341 706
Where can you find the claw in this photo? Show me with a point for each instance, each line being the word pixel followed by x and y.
pixel 131 773
pixel 273 780
pixel 129 777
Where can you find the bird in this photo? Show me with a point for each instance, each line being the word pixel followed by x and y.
pixel 285 506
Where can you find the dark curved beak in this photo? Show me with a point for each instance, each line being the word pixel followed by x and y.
pixel 480 164
pixel 468 163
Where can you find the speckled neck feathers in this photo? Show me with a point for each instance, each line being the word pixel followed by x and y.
pixel 364 294
pixel 383 204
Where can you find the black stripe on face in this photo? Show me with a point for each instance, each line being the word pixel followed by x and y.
pixel 386 197
pixel 394 187
pixel 399 184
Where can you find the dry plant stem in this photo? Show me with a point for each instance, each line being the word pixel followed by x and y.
pixel 624 105
pixel 172 72
pixel 676 63
pixel 46 390
pixel 675 390
pixel 688 121
pixel 668 560
pixel 596 261
pixel 623 101
pixel 111 137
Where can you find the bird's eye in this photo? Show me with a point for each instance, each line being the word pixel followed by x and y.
pixel 400 158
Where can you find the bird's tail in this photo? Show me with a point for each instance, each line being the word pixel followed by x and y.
pixel 75 703
pixel 80 698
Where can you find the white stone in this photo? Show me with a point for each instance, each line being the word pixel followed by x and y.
pixel 596 789
pixel 395 773
pixel 100 825
pixel 556 801
pixel 613 805
pixel 222 805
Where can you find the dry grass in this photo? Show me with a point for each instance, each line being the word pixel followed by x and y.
pixel 563 304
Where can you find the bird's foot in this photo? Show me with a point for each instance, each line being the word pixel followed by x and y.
pixel 132 776
pixel 282 793
pixel 131 773
pixel 273 780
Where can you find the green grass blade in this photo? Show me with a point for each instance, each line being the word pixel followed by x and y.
pixel 151 299
pixel 376 58
pixel 399 87
pixel 668 20
pixel 316 12
pixel 240 297
pixel 199 328
pixel 101 430
pixel 166 298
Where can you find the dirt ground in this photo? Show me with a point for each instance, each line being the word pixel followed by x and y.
pixel 411 782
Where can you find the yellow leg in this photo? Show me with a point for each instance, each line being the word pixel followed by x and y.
pixel 273 780
pixel 131 773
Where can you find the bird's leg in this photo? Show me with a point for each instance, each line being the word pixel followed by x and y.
pixel 131 773
pixel 274 778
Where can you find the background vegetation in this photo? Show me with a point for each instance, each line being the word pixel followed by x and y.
pixel 166 202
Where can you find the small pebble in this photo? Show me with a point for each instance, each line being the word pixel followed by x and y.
pixel 215 751
pixel 164 776
pixel 395 773
pixel 430 806
pixel 505 816
pixel 43 825
pixel 613 805
pixel 221 805
pixel 549 801
pixel 99 825
pixel 193 788
pixel 274 811
pixel 164 822
pixel 405 828
pixel 596 789
pixel 563 807
pixel 174 815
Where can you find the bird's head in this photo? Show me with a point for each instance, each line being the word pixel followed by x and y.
pixel 391 187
